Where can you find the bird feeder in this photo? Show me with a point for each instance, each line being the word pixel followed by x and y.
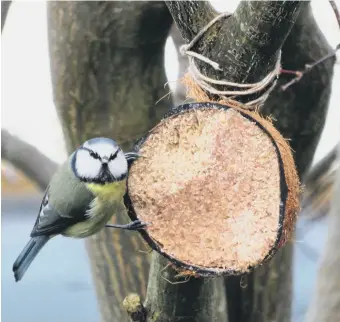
pixel 219 187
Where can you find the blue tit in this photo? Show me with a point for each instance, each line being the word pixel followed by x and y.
pixel 82 196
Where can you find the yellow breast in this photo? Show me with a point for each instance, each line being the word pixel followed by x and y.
pixel 113 191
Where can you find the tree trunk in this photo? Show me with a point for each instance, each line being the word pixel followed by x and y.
pixel 299 113
pixel 246 44
pixel 170 299
pixel 107 65
pixel 325 304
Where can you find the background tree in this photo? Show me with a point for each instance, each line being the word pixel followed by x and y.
pixel 325 304
pixel 5 5
pixel 107 67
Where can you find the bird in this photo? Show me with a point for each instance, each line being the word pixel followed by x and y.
pixel 82 196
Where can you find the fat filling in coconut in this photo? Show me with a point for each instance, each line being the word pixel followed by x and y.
pixel 209 183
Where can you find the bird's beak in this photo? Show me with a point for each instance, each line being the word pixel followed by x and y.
pixel 131 156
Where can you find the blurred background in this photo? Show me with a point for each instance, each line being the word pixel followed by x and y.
pixel 27 111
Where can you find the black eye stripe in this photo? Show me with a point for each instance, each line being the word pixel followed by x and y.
pixel 94 155
pixel 113 156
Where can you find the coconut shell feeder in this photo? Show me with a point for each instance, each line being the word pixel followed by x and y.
pixel 219 187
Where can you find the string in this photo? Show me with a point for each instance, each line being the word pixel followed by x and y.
pixel 207 83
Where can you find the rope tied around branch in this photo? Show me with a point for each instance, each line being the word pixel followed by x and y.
pixel 208 83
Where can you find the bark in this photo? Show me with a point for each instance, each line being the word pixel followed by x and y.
pixel 246 44
pixel 27 158
pixel 4 11
pixel 300 111
pixel 325 305
pixel 170 299
pixel 107 71
pixel 265 295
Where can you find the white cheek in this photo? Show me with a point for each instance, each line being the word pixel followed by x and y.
pixel 86 166
pixel 118 166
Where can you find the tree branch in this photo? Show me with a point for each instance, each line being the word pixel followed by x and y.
pixel 191 16
pixel 336 11
pixel 28 159
pixel 246 45
pixel 4 11
pixel 308 67
pixel 325 304
pixel 299 113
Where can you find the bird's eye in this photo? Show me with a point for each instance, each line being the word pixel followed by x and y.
pixel 94 155
pixel 113 156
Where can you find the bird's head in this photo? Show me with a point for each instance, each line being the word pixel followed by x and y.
pixel 101 161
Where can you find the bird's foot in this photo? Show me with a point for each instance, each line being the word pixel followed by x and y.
pixel 131 156
pixel 134 225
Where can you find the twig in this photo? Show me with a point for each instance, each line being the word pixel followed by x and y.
pixel 336 11
pixel 134 307
pixel 290 72
pixel 308 67
pixel 27 158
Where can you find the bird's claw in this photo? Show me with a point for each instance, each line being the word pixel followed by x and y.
pixel 138 225
pixel 131 156
pixel 133 225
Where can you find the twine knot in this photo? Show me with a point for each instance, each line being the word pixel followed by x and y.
pixel 206 83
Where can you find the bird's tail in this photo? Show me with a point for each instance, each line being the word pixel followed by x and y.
pixel 27 255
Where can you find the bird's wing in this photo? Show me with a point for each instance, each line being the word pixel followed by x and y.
pixel 51 222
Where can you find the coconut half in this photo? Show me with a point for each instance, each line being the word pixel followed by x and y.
pixel 219 187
